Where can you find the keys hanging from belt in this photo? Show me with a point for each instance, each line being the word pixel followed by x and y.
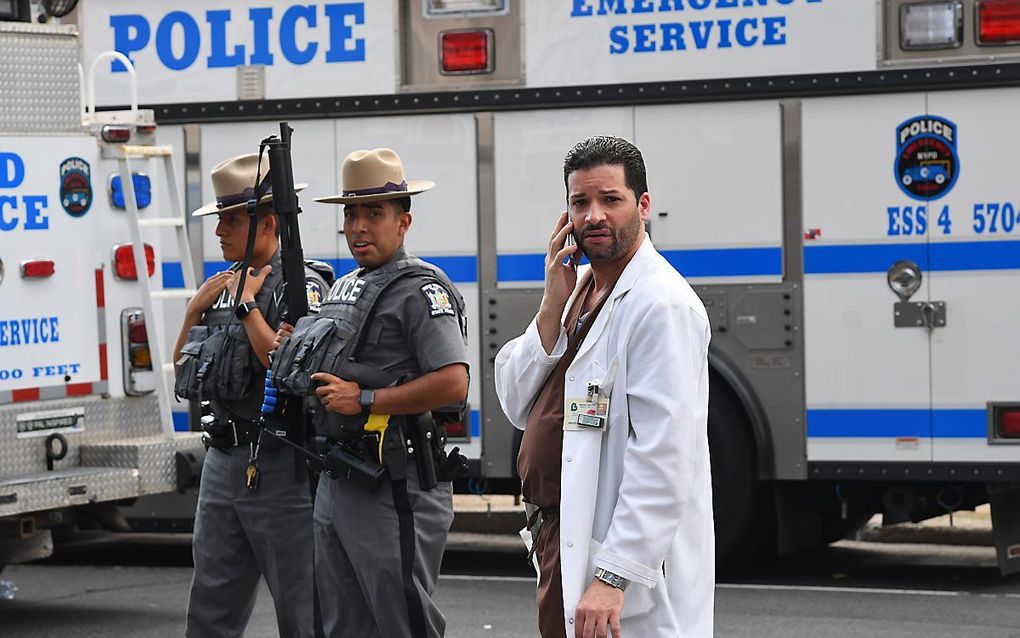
pixel 251 473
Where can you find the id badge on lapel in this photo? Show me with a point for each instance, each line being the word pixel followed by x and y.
pixel 590 412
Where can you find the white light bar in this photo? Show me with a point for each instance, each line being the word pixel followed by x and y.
pixel 931 25
pixel 437 8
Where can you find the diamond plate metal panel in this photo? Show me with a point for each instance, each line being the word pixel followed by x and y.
pixel 66 488
pixel 154 458
pixel 106 420
pixel 39 92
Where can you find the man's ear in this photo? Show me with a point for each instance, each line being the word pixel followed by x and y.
pixel 405 222
pixel 268 225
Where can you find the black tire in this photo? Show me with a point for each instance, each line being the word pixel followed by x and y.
pixel 741 503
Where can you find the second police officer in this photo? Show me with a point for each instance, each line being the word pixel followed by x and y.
pixel 254 512
pixel 381 367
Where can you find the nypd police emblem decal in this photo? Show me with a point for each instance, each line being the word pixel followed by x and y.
pixel 439 300
pixel 75 186
pixel 927 163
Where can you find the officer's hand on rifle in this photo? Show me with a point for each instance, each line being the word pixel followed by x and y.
pixel 285 331
pixel 208 292
pixel 336 394
pixel 252 283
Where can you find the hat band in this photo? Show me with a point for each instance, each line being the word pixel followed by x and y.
pixel 238 198
pixel 388 187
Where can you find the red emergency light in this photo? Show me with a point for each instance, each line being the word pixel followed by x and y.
pixel 1009 423
pixel 124 261
pixel 115 134
pixel 466 51
pixel 37 269
pixel 998 21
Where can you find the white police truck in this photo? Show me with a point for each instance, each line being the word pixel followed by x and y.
pixel 81 429
pixel 835 176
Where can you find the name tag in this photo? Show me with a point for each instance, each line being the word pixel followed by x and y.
pixel 589 412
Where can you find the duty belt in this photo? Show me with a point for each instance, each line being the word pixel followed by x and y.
pixel 231 433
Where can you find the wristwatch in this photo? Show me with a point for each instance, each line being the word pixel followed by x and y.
pixel 366 398
pixel 611 579
pixel 244 308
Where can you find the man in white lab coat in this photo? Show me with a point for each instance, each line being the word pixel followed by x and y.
pixel 610 384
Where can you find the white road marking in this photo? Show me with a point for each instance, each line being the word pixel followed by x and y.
pixel 506 579
pixel 855 590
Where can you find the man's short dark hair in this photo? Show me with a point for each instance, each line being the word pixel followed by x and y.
pixel 603 150
pixel 405 204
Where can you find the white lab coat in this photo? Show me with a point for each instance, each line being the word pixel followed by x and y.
pixel 636 499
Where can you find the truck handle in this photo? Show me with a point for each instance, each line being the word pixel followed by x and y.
pixel 120 57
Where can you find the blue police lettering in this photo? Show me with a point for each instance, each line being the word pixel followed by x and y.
pixel 588 8
pixel 702 34
pixel 12 174
pixel 29 331
pixel 907 220
pixel 61 370
pixel 13 373
pixel 178 36
pixel 12 170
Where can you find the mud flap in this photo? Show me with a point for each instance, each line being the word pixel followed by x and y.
pixel 1005 500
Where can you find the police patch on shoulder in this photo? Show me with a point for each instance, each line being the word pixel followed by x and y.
pixel 439 300
pixel 314 293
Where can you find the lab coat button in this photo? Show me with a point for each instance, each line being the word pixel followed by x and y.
pixel 571 378
pixel 569 459
pixel 571 621
pixel 570 543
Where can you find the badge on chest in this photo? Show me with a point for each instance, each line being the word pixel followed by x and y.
pixel 346 290
pixel 589 412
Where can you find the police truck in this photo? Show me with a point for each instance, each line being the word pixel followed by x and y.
pixel 834 176
pixel 84 427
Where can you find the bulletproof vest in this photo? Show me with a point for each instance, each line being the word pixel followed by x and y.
pixel 331 341
pixel 217 361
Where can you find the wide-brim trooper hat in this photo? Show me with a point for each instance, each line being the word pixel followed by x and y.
pixel 234 181
pixel 373 176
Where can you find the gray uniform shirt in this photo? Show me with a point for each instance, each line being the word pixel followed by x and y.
pixel 414 328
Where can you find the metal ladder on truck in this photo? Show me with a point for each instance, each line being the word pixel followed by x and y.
pixel 140 123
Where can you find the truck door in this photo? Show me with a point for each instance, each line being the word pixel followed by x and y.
pixel 868 392
pixel 50 337
pixel 975 273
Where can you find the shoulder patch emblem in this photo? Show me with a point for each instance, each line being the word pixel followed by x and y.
pixel 439 300
pixel 314 293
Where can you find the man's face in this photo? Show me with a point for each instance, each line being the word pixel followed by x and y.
pixel 375 231
pixel 608 221
pixel 232 229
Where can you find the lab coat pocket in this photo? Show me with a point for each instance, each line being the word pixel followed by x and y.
pixel 638 600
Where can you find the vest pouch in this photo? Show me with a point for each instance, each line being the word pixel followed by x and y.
pixel 187 379
pixel 283 358
pixel 235 365
pixel 309 352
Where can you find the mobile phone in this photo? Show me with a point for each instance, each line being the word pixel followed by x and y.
pixel 571 259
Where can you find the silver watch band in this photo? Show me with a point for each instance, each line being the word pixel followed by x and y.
pixel 611 579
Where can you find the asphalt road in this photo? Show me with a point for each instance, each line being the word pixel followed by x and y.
pixel 133 587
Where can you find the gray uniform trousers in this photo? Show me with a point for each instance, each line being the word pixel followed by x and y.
pixel 241 534
pixel 358 558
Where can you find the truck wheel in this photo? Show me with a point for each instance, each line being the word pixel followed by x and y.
pixel 740 501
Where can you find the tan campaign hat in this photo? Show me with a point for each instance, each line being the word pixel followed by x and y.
pixel 234 184
pixel 372 176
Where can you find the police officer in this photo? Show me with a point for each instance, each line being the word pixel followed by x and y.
pixel 254 507
pixel 386 363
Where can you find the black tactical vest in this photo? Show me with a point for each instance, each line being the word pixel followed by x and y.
pixel 217 361
pixel 331 341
